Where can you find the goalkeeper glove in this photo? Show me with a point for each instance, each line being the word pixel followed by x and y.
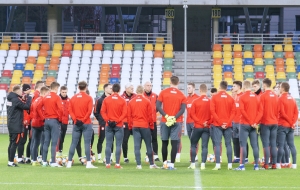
pixel 171 120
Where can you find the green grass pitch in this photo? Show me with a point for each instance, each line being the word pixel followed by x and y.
pixel 78 177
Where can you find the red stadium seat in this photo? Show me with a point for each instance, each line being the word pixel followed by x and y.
pixel 237 54
pixel 31 60
pixel 259 75
pixel 54 60
pixel 289 55
pixel 98 47
pixel 167 74
pixel 66 53
pixel 24 46
pixel 227 74
pixel 7 73
pixel 115 74
pixel 116 67
pixel 4 87
pixel 258 54
pixel 280 68
pixel 67 47
pixel 45 47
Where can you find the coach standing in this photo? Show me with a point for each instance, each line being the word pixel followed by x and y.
pixel 113 111
pixel 15 108
pixel 53 112
pixel 152 97
pixel 80 109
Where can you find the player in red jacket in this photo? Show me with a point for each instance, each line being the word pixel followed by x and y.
pixel 288 116
pixel 128 94
pixel 80 109
pixel 152 97
pixel 65 117
pixel 37 125
pixel 269 123
pixel 257 87
pixel 222 108
pixel 113 111
pixel 200 113
pixel 140 121
pixel 53 112
pixel 250 116
pixel 26 131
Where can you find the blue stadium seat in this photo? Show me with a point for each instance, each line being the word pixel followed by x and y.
pixel 227 68
pixel 297 48
pixel 28 73
pixel 19 66
pixel 248 61
pixel 229 87
pixel 298 69
pixel 113 80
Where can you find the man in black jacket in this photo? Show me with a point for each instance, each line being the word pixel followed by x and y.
pixel 15 108
pixel 101 131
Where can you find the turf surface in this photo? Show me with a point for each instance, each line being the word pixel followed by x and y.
pixel 78 177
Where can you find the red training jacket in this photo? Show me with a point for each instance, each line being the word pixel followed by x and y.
pixel 250 108
pixel 37 114
pixel 238 114
pixel 53 106
pixel 81 107
pixel 189 101
pixel 65 103
pixel 200 112
pixel 127 99
pixel 269 106
pixel 288 111
pixel 152 98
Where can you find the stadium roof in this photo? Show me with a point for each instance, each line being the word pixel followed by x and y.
pixel 155 2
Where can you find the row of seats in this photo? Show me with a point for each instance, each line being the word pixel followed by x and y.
pixel 256 61
pixel 35 39
pixel 249 54
pixel 256 48
pixel 25 46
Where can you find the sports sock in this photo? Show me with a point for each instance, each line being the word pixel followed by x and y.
pixel 202 164
pixel 229 165
pixel 88 163
pixel 112 155
pixel 218 165
pixel 178 156
pixel 171 165
pixel 99 156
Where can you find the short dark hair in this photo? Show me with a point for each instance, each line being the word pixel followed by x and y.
pixel 16 88
pixel 82 85
pixel 223 85
pixel 106 85
pixel 285 86
pixel 267 82
pixel 203 87
pixel 213 90
pixel 174 80
pixel 38 84
pixel 44 89
pixel 63 88
pixel 54 85
pixel 116 88
pixel 239 83
pixel 256 81
pixel 192 84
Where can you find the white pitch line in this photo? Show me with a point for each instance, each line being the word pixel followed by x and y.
pixel 146 186
pixel 197 178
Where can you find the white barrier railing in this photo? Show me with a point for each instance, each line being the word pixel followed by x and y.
pixel 25 37
pixel 252 39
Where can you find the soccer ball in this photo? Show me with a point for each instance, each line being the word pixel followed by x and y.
pixel 16 159
pixel 39 159
pixel 59 161
pixel 146 159
pixel 93 159
pixel 83 161
pixel 166 164
pixel 210 158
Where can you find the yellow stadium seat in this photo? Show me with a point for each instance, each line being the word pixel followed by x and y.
pixel 238 61
pixel 17 73
pixel 217 68
pixel 248 69
pixel 128 47
pixel 168 54
pixel 287 41
pixel 238 76
pixel 217 83
pixel 258 61
pixel 290 69
pixel 248 54
pixel 238 69
pixel 269 69
pixel 278 48
pixel 4 46
pixel 41 60
pixel 56 53
pixel 270 75
pixel 237 47
pixel 227 54
pixel 290 62
pixel 77 47
pixel 169 47
pixel 280 75
pixel 217 76
pixel 288 47
pixel 160 40
pixel 166 81
pixel 16 80
pixel 148 47
pixel 268 54
pixel 6 39
pixel 298 76
pixel 227 47
pixel 34 46
pixel 118 47
pixel 229 81
pixel 38 74
pixel 88 47
pixel 227 61
pixel 217 54
pixel 57 46
pixel 158 47
pixel 35 79
pixel 29 66
pixel 100 87
pixel 69 40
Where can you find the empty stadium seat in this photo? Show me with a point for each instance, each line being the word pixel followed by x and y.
pixel 148 47
pixel 24 46
pixel 9 66
pixel 238 76
pixel 54 60
pixel 15 81
pixel 31 60
pixel 279 62
pixel 248 54
pixel 7 73
pixel 35 46
pixel 227 74
pixel 21 60
pixel 32 53
pixel 139 47
pixel 249 75
pixel 43 53
pixel 45 47
pixel 19 66
pixel 259 75
pixel 238 61
pixel 22 53
pixel 67 47
pixel 280 68
pixel 118 47
pixel 107 53
pixel 17 73
pixel 128 47
pixel 248 61
pixel 168 54
pixel 69 39
pixel 14 46
pixel 227 68
pixel 4 46
pixel 216 61
pixel 217 47
pixel 227 61
pixel 127 53
pixel 278 48
pixel 227 47
pixel 269 69
pixel 238 69
pixel 290 62
pixel 227 54
pixel 158 47
pixel 53 67
pixel 28 73
pixel 268 48
pixel 217 76
pixel 258 61
pixel 4 80
pixel 56 53
pixel 257 48
pixel 26 80
pixel 289 55
pixel 258 54
pixel 268 54
pixel 237 47
pixel 280 76
pixel 78 47
pixel 98 47
pixel 146 54
pixel 116 60
pixel 57 46
pixel 278 55
pixel 65 53
pixel 86 53
pixel 41 60
pixel 217 54
pixel 168 47
pixel 237 54
pixel 29 66
pixel 217 68
pixel 288 48
pixel 49 80
pixel 248 68
pixel 291 76
pixel 290 69
pixel 269 61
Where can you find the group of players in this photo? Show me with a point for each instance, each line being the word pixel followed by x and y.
pixel 245 114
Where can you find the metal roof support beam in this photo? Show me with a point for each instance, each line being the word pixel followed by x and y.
pixel 248 21
pixel 263 20
pixel 136 19
pixel 10 18
pixel 121 19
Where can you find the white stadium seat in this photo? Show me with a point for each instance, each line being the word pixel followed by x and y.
pixel 106 60
pixel 126 68
pixel 76 53
pixel 117 53
pixel 97 53
pixel 116 60
pixel 2 60
pixel 75 60
pixel 85 60
pixel 3 53
pixel 23 53
pixel 137 61
pixel 10 60
pixel 147 61
pixel 107 53
pixel 127 61
pixel 138 54
pixel 148 54
pixel 32 53
pixel 96 60
pixel 127 54
pixel 65 60
pixel 21 60
pixel 87 53
pixel 63 67
pixel 12 53
pixel 158 61
pixel 8 66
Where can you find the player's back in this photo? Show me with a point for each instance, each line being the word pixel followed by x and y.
pixel 140 111
pixel 269 105
pixel 249 103
pixel 114 105
pixel 287 104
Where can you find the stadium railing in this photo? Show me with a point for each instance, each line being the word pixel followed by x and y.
pixel 25 37
pixel 224 38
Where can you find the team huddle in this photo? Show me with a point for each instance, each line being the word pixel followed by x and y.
pixel 44 116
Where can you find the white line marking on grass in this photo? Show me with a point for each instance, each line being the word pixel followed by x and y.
pixel 143 186
pixel 197 177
